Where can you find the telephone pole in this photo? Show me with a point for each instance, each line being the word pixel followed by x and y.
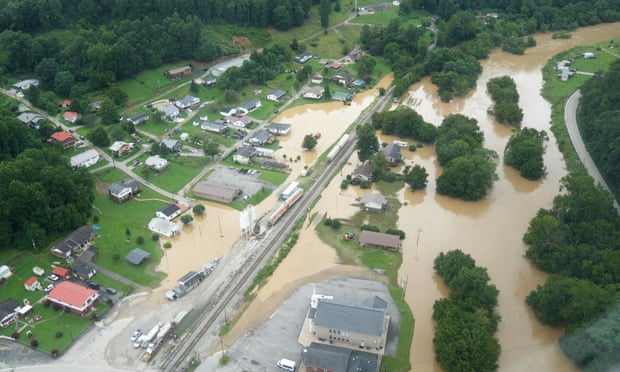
pixel 417 243
pixel 405 283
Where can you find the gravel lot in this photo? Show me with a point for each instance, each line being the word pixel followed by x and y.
pixel 277 338
pixel 249 184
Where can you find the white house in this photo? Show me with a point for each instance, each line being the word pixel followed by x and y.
pixel 239 121
pixel 156 163
pixel 187 102
pixel 5 272
pixel 169 112
pixel 249 106
pixel 26 84
pixel 164 227
pixel 85 159
pixel 168 211
pixel 314 92
pixel 276 95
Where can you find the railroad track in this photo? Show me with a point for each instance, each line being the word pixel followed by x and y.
pixel 177 358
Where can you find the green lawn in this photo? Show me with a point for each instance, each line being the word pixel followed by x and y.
pixel 330 45
pixel 181 170
pixel 115 219
pixel 379 18
pixel 351 32
pixel 150 83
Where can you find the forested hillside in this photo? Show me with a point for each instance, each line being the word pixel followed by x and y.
pixel 599 121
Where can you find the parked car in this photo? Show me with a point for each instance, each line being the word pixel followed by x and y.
pixel 53 277
pixel 111 290
pixel 137 333
pixel 49 288
pixel 94 285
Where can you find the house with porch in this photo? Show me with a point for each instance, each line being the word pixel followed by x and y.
pixel 249 105
pixel 213 127
pixel 138 119
pixel 85 159
pixel 73 297
pixel 343 78
pixel 315 92
pixel 70 116
pixel 279 129
pixel 124 190
pixel 244 154
pixel 65 139
pixel 392 154
pixel 8 312
pixel 374 202
pixel 77 241
pixel 83 270
pixel 276 95
pixel 30 119
pixel 239 121
pixel 261 138
pixel 362 173
pixel 119 148
pixel 156 163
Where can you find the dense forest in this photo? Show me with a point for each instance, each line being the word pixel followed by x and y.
pixel 578 240
pixel 466 320
pixel 599 122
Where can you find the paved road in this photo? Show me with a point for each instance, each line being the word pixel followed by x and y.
pixel 570 119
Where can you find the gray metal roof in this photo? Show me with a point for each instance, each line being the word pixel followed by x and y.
pixel 353 318
pixel 380 239
pixel 261 136
pixel 326 357
pixel 392 151
pixel 169 209
pixel 250 104
pixel 137 255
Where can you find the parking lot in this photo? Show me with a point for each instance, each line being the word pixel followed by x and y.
pixel 242 178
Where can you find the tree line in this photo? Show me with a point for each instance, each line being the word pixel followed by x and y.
pixel 578 241
pixel 599 122
pixel 466 320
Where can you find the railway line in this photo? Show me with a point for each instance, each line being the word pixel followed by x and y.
pixel 177 358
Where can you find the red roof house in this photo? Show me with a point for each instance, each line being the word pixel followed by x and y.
pixel 64 138
pixel 73 297
pixel 61 272
pixel 70 116
pixel 32 284
pixel 65 103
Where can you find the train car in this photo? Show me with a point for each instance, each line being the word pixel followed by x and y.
pixel 282 208
pixel 337 147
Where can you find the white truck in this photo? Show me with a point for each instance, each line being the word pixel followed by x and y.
pixel 286 364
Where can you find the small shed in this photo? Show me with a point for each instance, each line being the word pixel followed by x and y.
pixel 32 284
pixel 136 256
pixel 588 55
pixel 374 202
pixel 5 272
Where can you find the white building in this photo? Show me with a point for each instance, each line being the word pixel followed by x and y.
pixel 164 227
pixel 156 163
pixel 85 159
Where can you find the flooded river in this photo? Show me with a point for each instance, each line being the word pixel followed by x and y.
pixel 490 230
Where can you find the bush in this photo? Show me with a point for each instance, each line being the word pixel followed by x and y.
pixel 390 177
pixel 58 334
pixel 344 184
pixel 155 237
pixel 55 353
pixel 140 240
pixel 355 181
pixel 412 148
pixel 55 307
pixel 370 228
pixel 15 335
pixel 398 232
pixel 198 209
pixel 34 343
pixel 365 185
pixel 167 245
pixel 336 224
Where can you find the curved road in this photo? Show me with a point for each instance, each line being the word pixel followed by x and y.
pixel 570 119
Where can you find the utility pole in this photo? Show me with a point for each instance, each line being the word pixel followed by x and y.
pixel 220 224
pixel 417 243
pixel 405 283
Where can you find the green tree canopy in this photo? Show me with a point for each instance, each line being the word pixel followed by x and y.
pixel 367 142
pixel 524 151
pixel 309 142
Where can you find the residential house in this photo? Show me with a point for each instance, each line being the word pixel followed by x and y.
pixel 317 79
pixel 315 92
pixel 73 297
pixel 249 105
pixel 191 280
pixel 138 119
pixel 64 103
pixel 209 81
pixel 5 272
pixel 228 111
pixel 261 138
pixel 168 212
pixel 32 284
pixel 8 312
pixel 61 272
pixel 363 173
pixel 392 154
pixel 83 270
pixel 219 193
pixel 588 55
pixel 25 84
pixel 244 154
pixel 169 112
pixel 349 324
pixel 303 57
pixel 124 190
pixel 279 129
pixel 374 202
pixel 320 357
pixel 379 240
pixel 342 96
pixel 85 159
pixel 187 102
pixel 31 120
pixel 210 126
pixel 343 78
pixel 178 72
pixel 156 163
pixel 239 121
pixel 276 95
pixel 264 152
pixel 77 241
pixel 64 138
pixel 94 106
pixel 164 227
pixel 70 116
pixel 136 256
pixel 119 148
pixel 172 145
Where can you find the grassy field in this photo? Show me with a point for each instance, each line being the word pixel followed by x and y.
pixel 150 83
pixel 378 18
pixel 351 32
pixel 114 219
pixel 330 45
pixel 181 171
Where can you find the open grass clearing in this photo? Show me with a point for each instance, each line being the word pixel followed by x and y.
pixel 329 45
pixel 181 170
pixel 382 17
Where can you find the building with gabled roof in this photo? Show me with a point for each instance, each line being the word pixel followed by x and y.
pixel 210 126
pixel 244 154
pixel 75 242
pixel 249 105
pixel 178 72
pixel 26 84
pixel 187 102
pixel 85 159
pixel 137 255
pixel 138 119
pixel 220 193
pixel 32 284
pixel 73 297
pixel 276 95
pixel 31 119
pixel 124 190
pixel 374 202
pixel 172 144
pixel 303 57
pixel 169 112
pixel 320 357
pixel 70 116
pixel 169 211
pixel 156 163
pixel 83 270
pixel 392 154
pixel 379 240
pixel 118 148
pixel 61 272
pixel 64 138
pixel 164 227
pixel 261 137
pixel 8 312
pixel 315 92
pixel 279 129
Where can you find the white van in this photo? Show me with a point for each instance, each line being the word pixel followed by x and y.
pixel 286 364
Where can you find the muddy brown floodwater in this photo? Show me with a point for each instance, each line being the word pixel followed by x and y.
pixel 490 230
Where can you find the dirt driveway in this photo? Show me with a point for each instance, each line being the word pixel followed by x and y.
pixel 242 178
